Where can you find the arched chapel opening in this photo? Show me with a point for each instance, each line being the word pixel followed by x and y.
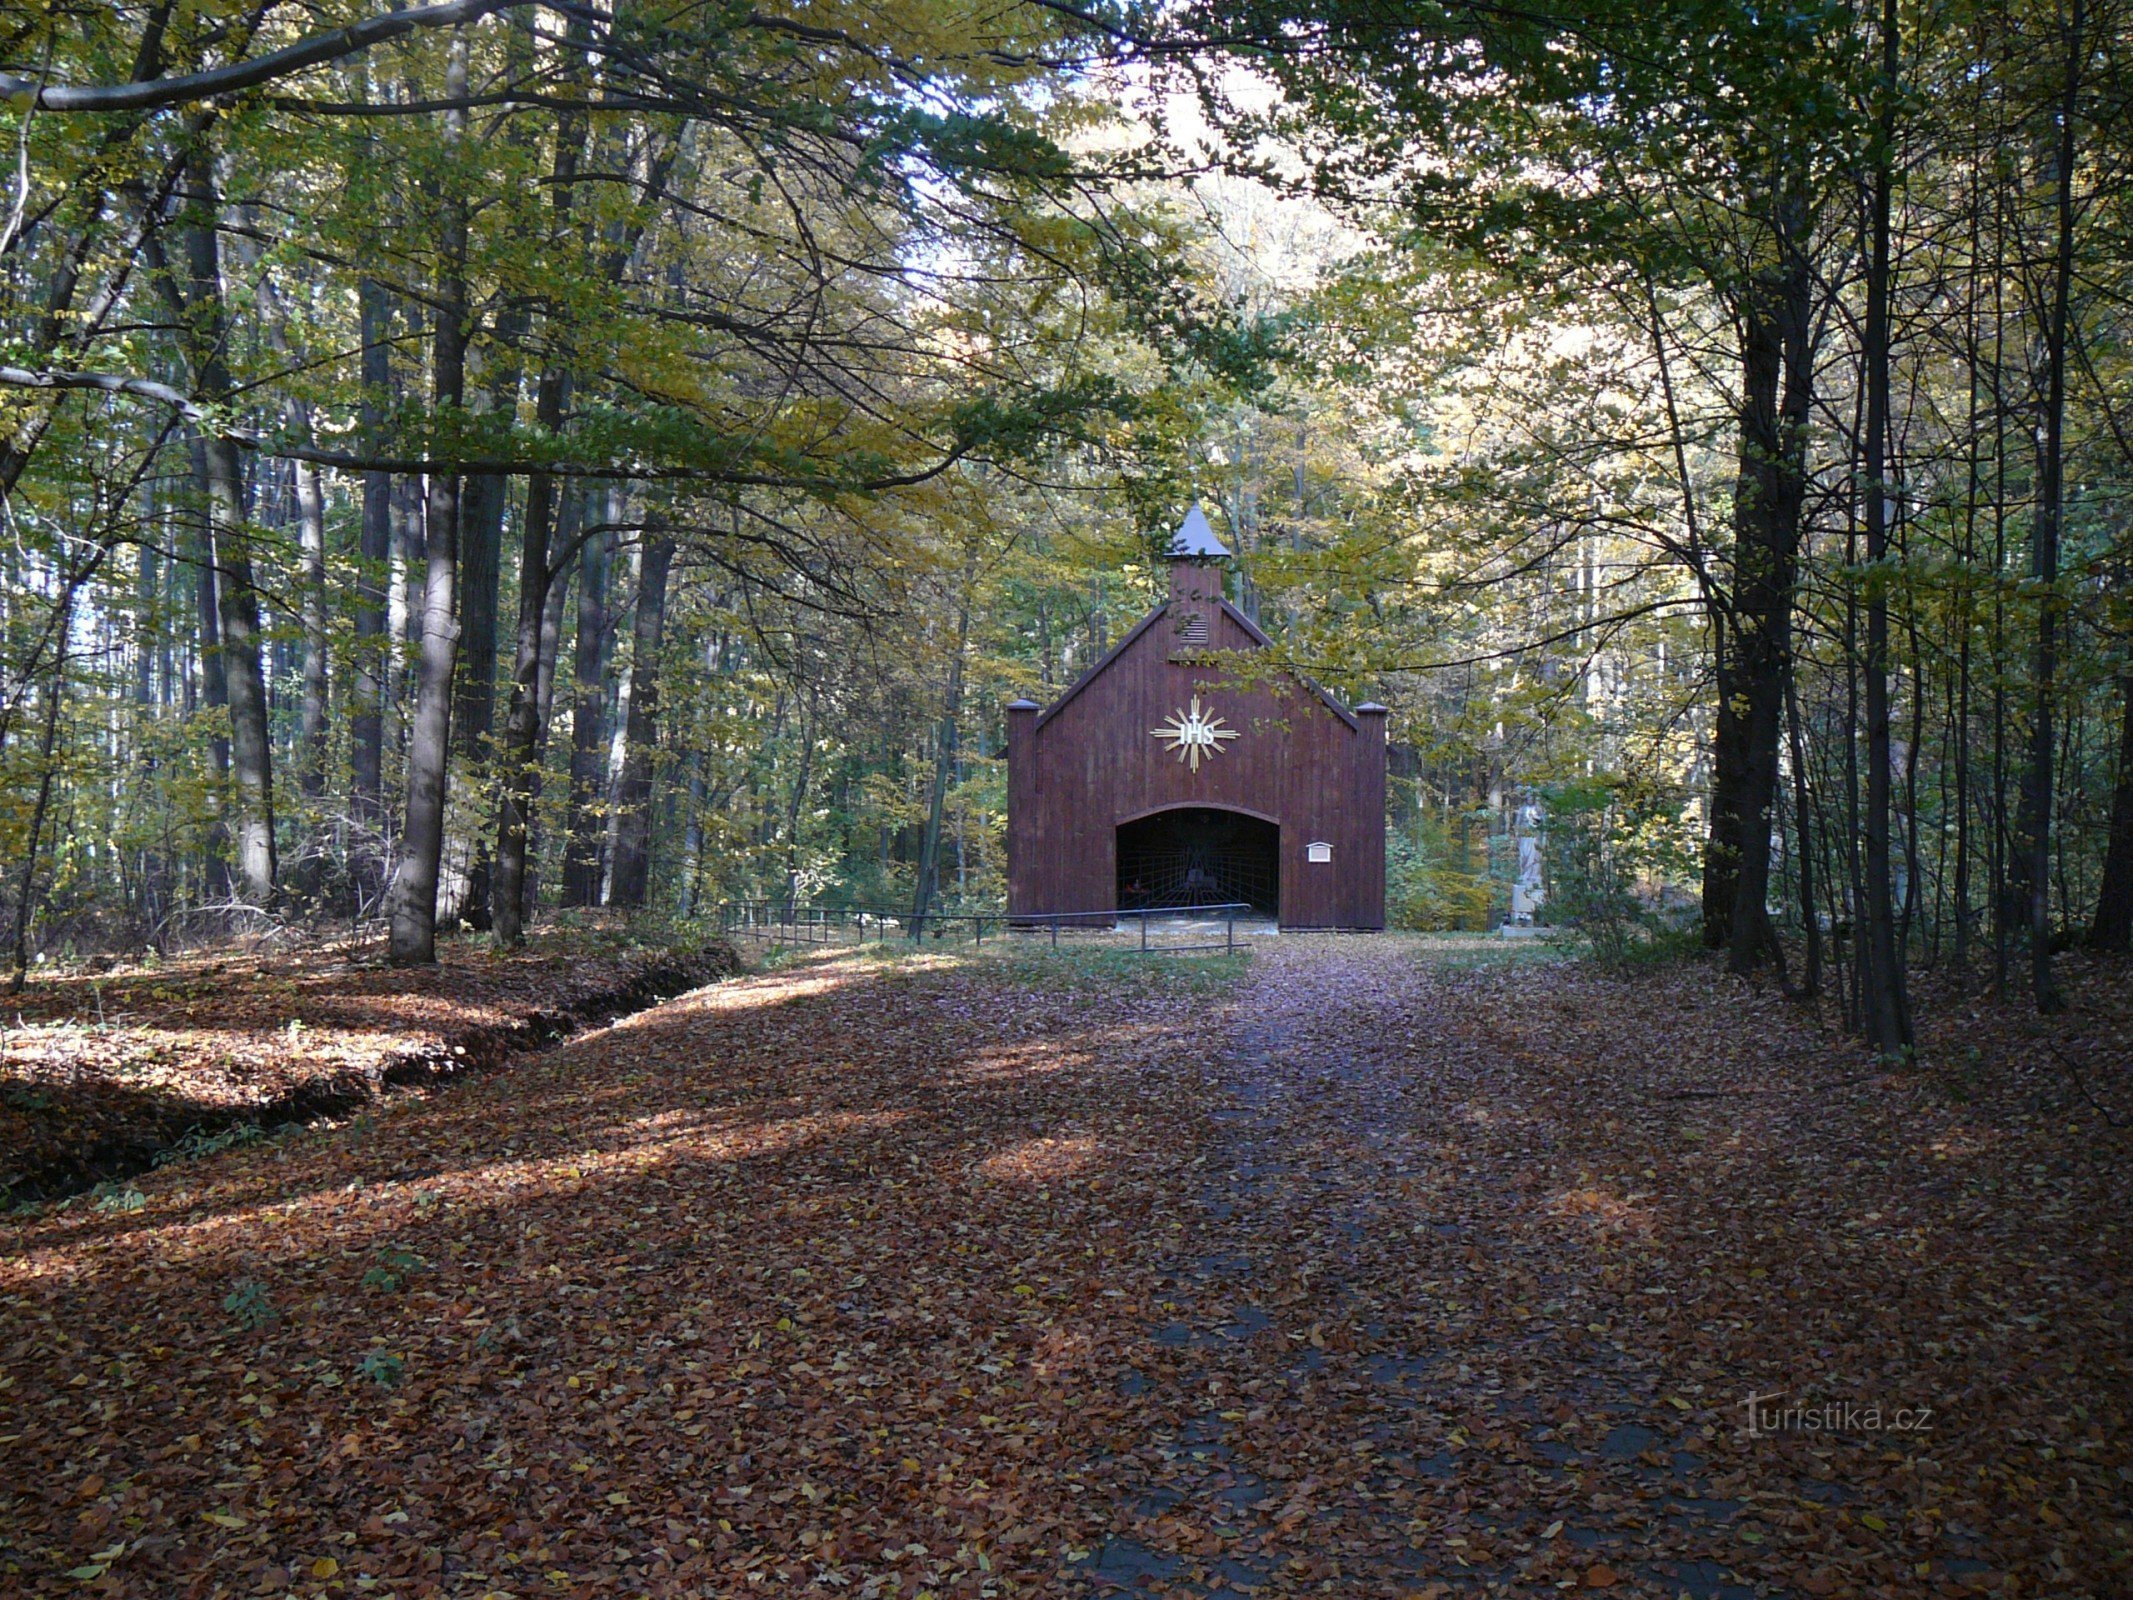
pixel 1199 856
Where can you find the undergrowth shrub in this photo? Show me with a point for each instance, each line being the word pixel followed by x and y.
pixel 1611 844
pixel 1433 884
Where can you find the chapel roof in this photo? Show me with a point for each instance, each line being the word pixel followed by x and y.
pixel 1195 540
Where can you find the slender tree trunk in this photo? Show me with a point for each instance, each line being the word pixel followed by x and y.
pixel 534 644
pixel 2037 789
pixel 237 599
pixel 585 827
pixel 414 899
pixel 366 722
pixel 311 535
pixel 410 544
pixel 47 748
pixel 1803 817
pixel 1885 1012
pixel 214 696
pixel 519 750
pixel 633 821
pixel 796 802
pixel 486 500
pixel 1966 564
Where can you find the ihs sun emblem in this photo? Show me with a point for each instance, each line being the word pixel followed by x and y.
pixel 1193 733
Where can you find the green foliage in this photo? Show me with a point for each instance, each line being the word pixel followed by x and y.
pixel 198 1143
pixel 114 1199
pixel 1611 845
pixel 383 1368
pixel 1433 879
pixel 249 1305
pixel 395 1268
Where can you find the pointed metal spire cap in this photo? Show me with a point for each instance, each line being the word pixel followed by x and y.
pixel 1195 540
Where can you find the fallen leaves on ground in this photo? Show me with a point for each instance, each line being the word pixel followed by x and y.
pixel 99 1072
pixel 1363 1272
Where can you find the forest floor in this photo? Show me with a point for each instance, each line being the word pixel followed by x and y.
pixel 1371 1267
pixel 104 1073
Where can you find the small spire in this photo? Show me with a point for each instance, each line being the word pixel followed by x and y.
pixel 1195 540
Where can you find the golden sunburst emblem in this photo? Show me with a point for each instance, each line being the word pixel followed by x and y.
pixel 1194 733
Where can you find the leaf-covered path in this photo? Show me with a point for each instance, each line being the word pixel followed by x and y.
pixel 1358 1270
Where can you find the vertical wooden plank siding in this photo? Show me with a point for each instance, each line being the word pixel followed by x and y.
pixel 1091 762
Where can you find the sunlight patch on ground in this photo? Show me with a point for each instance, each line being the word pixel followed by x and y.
pixel 1603 1208
pixel 1962 1144
pixel 1041 1160
pixel 768 989
pixel 1048 1055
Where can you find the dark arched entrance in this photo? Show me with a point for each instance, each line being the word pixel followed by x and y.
pixel 1199 856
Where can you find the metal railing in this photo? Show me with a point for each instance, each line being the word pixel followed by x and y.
pixel 784 923
pixel 833 926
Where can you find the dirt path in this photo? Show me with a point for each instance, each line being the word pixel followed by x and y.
pixel 1356 1270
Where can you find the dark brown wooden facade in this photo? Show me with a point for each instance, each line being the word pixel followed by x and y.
pixel 1102 810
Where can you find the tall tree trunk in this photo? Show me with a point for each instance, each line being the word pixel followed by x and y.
pixel 311 535
pixel 1885 1012
pixel 796 802
pixel 2044 541
pixel 405 604
pixel 585 828
pixel 519 750
pixel 633 820
pixel 414 898
pixel 237 599
pixel 251 750
pixel 366 722
pixel 214 682
pixel 533 654
pixel 486 499
pixel 1777 393
pixel 47 749
pixel 1803 808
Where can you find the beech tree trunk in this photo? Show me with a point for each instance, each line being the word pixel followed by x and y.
pixel 520 746
pixel 633 822
pixel 237 599
pixel 1884 1009
pixel 485 500
pixel 366 722
pixel 414 897
pixel 311 535
pixel 214 682
pixel 585 828
pixel 2044 545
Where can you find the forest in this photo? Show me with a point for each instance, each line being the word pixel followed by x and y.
pixel 477 460
pixel 531 528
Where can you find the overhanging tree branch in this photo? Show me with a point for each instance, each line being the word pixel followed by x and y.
pixel 825 482
pixel 106 383
pixel 22 93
